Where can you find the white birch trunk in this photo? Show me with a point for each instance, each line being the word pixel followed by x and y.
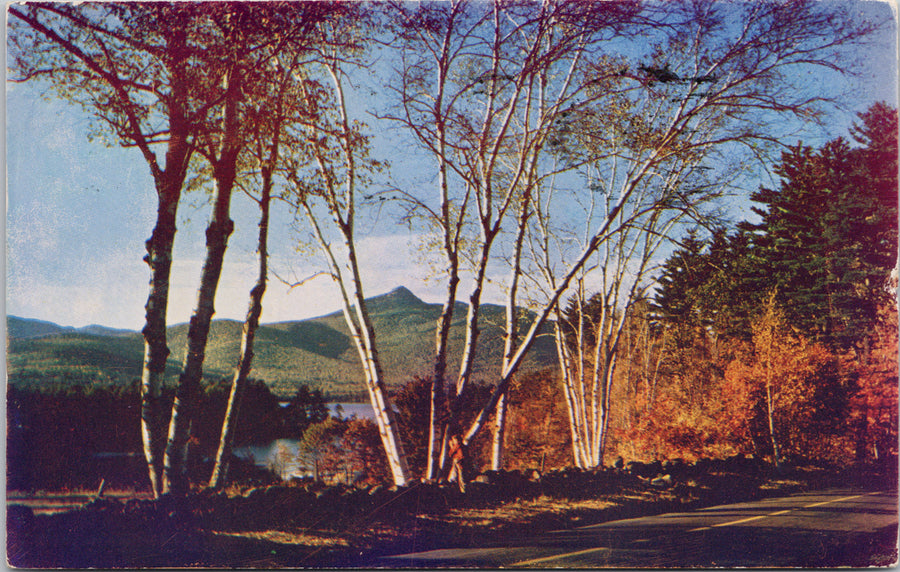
pixel 248 336
pixel 497 442
pixel 354 305
pixel 217 234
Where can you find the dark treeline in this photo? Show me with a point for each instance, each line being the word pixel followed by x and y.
pixel 71 436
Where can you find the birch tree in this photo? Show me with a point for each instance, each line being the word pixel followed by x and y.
pixel 159 77
pixel 781 375
pixel 713 73
pixel 592 331
pixel 327 194
pixel 480 87
pixel 249 38
pixel 267 120
pixel 132 68
pixel 223 157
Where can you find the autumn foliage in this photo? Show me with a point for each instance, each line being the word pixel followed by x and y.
pixel 782 391
pixel 874 405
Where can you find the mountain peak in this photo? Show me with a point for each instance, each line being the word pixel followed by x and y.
pixel 402 292
pixel 398 297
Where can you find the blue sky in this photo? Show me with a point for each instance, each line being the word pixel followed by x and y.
pixel 78 214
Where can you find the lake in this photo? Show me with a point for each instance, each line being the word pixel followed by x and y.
pixel 280 456
pixel 360 410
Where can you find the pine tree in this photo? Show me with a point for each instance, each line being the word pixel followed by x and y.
pixel 828 235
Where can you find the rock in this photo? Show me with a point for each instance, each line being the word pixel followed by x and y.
pixel 483 479
pixel 644 470
pixel 663 481
pixel 99 503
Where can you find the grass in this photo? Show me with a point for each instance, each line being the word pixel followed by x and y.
pixel 523 511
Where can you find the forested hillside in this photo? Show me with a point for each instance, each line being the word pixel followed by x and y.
pixel 316 352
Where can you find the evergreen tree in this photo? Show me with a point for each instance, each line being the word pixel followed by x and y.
pixel 710 286
pixel 683 274
pixel 828 235
pixel 305 408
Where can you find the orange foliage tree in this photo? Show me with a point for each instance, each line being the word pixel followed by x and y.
pixel 538 434
pixel 874 405
pixel 674 419
pixel 669 397
pixel 785 392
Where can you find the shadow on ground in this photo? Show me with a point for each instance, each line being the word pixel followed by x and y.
pixel 311 525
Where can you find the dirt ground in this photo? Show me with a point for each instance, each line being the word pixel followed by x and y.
pixel 311 525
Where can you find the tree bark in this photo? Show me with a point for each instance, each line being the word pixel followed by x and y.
pixel 169 183
pixel 497 443
pixel 512 329
pixel 437 413
pixel 217 234
pixel 384 413
pixel 364 333
pixel 156 349
pixel 248 335
pixel 770 417
pixel 568 392
pixel 183 408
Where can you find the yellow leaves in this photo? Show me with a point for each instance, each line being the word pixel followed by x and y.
pixel 779 372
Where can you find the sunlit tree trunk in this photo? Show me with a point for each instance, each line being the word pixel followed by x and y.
pixel 169 183
pixel 565 367
pixel 357 319
pixel 159 259
pixel 156 349
pixel 511 333
pixel 450 227
pixel 770 418
pixel 248 335
pixel 340 200
pixel 267 141
pixel 497 443
pixel 217 234
pixel 384 412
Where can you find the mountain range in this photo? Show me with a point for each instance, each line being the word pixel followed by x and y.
pixel 318 352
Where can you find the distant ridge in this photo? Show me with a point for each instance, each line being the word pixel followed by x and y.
pixel 318 352
pixel 25 328
pixel 97 330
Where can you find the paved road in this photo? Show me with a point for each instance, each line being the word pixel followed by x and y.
pixel 839 527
